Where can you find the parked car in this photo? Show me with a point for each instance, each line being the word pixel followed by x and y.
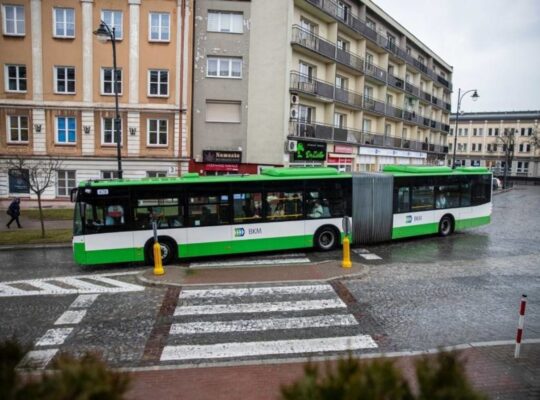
pixel 496 183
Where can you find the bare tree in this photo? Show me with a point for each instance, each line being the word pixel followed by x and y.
pixel 38 175
pixel 508 141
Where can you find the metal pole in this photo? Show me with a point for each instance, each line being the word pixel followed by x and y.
pixel 117 121
pixel 455 130
pixel 519 334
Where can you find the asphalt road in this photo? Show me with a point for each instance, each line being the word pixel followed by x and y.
pixel 420 294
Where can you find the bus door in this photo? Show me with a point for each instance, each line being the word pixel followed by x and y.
pixel 107 229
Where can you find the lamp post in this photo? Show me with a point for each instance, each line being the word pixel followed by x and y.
pixel 475 97
pixel 104 33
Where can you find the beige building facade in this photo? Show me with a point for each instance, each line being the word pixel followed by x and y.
pixel 482 138
pixel 57 95
pixel 314 82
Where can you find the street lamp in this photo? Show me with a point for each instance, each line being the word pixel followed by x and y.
pixel 475 97
pixel 105 33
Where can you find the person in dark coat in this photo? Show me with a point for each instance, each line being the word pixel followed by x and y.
pixel 14 211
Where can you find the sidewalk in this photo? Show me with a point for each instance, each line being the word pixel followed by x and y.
pixel 491 367
pixel 31 224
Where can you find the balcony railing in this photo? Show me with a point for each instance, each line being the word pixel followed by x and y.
pixel 375 72
pixel 371 104
pixel 326 132
pixel 355 23
pixel 307 84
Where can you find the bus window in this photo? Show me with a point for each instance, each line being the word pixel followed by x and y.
pixel 447 196
pixel 422 198
pixel 284 205
pixel 247 207
pixel 208 210
pixel 403 200
pixel 465 194
pixel 166 212
pixel 330 196
pixel 101 216
pixel 481 190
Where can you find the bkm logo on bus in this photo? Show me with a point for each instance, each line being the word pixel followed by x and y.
pixel 239 232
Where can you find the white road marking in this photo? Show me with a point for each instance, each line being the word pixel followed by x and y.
pixel 360 251
pixel 84 301
pixel 239 263
pixel 37 359
pixel 259 307
pixel 234 350
pixel 54 337
pixel 263 324
pixel 50 286
pixel 370 256
pixel 71 317
pixel 255 291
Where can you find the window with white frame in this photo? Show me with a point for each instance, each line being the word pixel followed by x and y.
pixel 159 27
pixel 479 146
pixel 480 131
pixel 109 174
pixel 64 22
pixel 523 166
pixel 15 78
pixel 107 84
pixel 370 24
pixel 113 18
pixel 66 130
pixel 17 128
pixel 226 22
pixel 64 80
pixel 342 82
pixel 157 132
pixel 224 67
pixel 13 20
pixel 108 135
pixel 340 120
pixel 65 181
pixel 156 174
pixel 158 83
pixel 343 44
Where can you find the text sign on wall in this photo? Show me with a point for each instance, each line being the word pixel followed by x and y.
pixel 222 157
pixel 310 151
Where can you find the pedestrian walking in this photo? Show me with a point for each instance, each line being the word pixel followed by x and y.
pixel 14 210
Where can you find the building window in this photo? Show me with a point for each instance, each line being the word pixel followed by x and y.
pixel 370 24
pixel 109 174
pixel 340 120
pixel 107 84
pixel 342 44
pixel 157 132
pixel 473 147
pixel 226 22
pixel 343 10
pixel 17 127
pixel 466 132
pixel 158 83
pixel 107 131
pixel 342 82
pixel 65 130
pixel 15 78
pixel 159 27
pixel 223 111
pixel 64 22
pixel 65 182
pixel 523 166
pixel 156 174
pixel 496 131
pixel 19 181
pixel 64 80
pixel 529 132
pixel 480 131
pixel 452 132
pixel 224 67
pixel 113 18
pixel 474 132
pixel 13 20
pixel 479 146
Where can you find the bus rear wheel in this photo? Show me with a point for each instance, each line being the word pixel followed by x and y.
pixel 446 226
pixel 326 238
pixel 168 252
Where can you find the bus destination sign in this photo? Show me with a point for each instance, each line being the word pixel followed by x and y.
pixel 310 151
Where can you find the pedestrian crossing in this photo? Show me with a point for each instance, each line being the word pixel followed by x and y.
pixel 97 283
pixel 239 323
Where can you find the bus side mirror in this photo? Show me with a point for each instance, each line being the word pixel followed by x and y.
pixel 73 195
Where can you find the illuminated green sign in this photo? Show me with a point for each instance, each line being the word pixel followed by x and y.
pixel 310 151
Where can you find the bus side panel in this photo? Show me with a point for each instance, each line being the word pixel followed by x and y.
pixel 111 247
pixel 79 251
pixel 475 216
pixel 418 223
pixel 206 241
pixel 141 237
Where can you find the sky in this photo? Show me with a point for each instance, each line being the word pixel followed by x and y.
pixel 493 45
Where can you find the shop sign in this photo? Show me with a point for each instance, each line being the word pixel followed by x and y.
pixel 222 167
pixel 338 148
pixel 339 160
pixel 310 151
pixel 373 151
pixel 222 157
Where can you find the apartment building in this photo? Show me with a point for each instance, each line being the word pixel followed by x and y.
pixel 483 137
pixel 57 97
pixel 313 82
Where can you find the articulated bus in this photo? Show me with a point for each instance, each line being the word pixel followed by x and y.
pixel 282 208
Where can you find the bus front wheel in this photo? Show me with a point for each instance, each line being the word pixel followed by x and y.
pixel 446 226
pixel 326 238
pixel 168 252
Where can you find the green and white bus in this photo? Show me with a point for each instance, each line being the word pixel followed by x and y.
pixel 282 208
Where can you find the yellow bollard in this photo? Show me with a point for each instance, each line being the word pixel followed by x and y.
pixel 346 263
pixel 158 266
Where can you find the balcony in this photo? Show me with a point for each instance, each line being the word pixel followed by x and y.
pixel 393 112
pixel 396 82
pixel 376 106
pixel 410 88
pixel 375 72
pixel 325 90
pixel 352 21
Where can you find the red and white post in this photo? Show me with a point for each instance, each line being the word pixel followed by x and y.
pixel 520 324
